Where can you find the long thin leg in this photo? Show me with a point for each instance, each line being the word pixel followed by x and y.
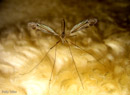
pixel 52 69
pixel 41 59
pixel 75 39
pixel 73 36
pixel 76 67
pixel 84 51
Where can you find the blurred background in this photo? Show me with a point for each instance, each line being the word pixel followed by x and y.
pixel 111 40
pixel 111 11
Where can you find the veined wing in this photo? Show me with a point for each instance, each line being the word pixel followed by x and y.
pixel 82 25
pixel 42 27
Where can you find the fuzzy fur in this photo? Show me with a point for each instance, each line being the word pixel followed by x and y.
pixel 105 72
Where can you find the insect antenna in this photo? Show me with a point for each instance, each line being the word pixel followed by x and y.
pixel 41 59
pixel 75 66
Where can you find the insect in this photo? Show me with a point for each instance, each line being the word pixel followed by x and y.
pixel 63 36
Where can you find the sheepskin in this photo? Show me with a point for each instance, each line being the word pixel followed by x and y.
pixel 103 62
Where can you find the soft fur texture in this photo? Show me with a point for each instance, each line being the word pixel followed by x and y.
pixel 104 70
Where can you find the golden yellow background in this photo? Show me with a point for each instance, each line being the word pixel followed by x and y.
pixel 105 72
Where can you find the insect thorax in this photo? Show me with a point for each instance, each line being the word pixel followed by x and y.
pixel 63 39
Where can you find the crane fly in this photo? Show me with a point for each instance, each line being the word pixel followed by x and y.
pixel 63 36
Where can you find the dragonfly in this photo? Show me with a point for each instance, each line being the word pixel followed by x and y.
pixel 63 38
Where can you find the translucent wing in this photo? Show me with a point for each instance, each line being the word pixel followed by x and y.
pixel 83 24
pixel 41 27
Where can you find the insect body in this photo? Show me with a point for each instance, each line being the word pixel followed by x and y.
pixel 82 25
pixel 62 38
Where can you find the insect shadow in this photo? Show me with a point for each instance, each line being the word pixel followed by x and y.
pixel 63 36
